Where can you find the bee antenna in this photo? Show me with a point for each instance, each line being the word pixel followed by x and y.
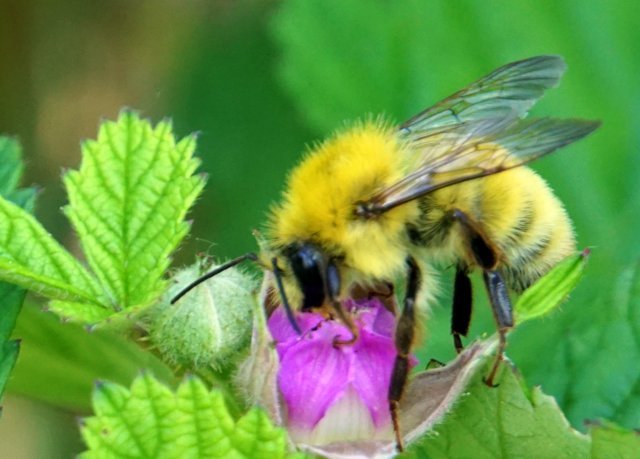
pixel 247 256
pixel 287 307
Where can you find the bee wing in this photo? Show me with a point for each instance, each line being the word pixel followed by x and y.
pixel 507 91
pixel 474 149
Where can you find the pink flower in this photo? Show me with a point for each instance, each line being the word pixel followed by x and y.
pixel 336 393
pixel 333 399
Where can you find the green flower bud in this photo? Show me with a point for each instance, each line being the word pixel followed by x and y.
pixel 209 325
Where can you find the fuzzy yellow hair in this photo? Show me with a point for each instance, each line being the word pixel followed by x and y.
pixel 321 193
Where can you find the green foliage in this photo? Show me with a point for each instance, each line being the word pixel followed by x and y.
pixel 611 442
pixel 31 258
pixel 511 421
pixel 128 202
pixel 150 420
pixel 587 358
pixel 11 296
pixel 552 290
pixel 11 166
pixel 60 362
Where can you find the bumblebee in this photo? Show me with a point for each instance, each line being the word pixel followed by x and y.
pixel 447 187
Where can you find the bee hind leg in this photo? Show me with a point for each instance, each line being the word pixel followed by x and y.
pixel 404 336
pixel 503 314
pixel 486 256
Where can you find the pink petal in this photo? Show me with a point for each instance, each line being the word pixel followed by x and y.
pixel 372 367
pixel 281 329
pixel 313 374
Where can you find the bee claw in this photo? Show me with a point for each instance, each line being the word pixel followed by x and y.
pixel 489 382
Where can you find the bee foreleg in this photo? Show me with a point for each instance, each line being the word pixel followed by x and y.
pixel 404 336
pixel 462 306
pixel 503 314
pixel 333 284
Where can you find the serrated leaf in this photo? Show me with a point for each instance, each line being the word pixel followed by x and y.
pixel 552 290
pixel 31 258
pixel 151 421
pixel 204 416
pixel 76 312
pixel 504 422
pixel 128 201
pixel 255 435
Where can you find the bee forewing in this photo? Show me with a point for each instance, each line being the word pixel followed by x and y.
pixel 477 149
pixel 512 88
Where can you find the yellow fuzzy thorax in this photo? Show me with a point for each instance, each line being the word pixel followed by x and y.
pixel 319 201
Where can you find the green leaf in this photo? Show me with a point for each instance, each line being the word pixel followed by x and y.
pixel 149 420
pixel 8 355
pixel 82 313
pixel 586 357
pixel 611 442
pixel 11 296
pixel 11 166
pixel 552 290
pixel 510 421
pixel 128 202
pixel 60 362
pixel 31 258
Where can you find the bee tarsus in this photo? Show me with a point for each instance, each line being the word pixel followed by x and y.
pixel 503 314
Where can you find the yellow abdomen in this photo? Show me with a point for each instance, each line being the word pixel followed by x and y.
pixel 518 212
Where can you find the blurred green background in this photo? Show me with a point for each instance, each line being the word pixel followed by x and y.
pixel 260 80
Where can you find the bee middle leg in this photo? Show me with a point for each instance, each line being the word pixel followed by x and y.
pixel 404 336
pixel 462 306
pixel 485 255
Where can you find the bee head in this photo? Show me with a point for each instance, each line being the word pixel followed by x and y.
pixel 309 265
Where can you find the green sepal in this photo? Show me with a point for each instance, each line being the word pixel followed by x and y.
pixel 553 289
